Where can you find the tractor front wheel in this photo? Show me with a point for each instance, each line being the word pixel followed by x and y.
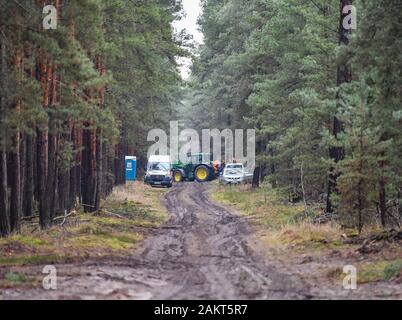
pixel 177 176
pixel 202 173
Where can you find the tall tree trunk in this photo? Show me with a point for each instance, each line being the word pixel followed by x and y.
pixel 64 174
pixel 99 169
pixel 42 165
pixel 119 163
pixel 100 65
pixel 15 160
pixel 44 74
pixel 28 207
pixel 256 177
pixel 76 170
pixel 46 140
pixel 344 75
pixel 108 167
pixel 88 181
pixel 360 192
pixel 15 185
pixel 4 210
pixel 52 174
pixel 272 166
pixel 22 169
pixel 51 182
pixel 382 195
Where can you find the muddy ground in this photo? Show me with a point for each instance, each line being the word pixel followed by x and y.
pixel 203 252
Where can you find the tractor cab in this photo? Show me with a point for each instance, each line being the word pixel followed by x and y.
pixel 200 158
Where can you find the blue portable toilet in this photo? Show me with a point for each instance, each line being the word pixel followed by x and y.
pixel 131 168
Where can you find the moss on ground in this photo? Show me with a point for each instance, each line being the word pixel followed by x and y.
pixel 120 224
pixel 280 227
pixel 34 259
pixel 13 279
pixel 267 208
pixel 373 271
pixel 265 204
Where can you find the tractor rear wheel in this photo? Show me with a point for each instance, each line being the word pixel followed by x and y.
pixel 177 176
pixel 202 173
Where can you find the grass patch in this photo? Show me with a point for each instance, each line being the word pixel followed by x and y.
pixel 265 204
pixel 379 271
pixel 116 228
pixel 309 235
pixel 106 242
pixel 26 259
pixel 268 208
pixel 375 271
pixel 24 240
pixel 15 277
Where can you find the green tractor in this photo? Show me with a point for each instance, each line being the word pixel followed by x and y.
pixel 197 167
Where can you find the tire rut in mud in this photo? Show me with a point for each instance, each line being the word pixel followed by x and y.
pixel 200 253
pixel 206 256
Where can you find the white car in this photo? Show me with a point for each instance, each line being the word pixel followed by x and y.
pixel 159 171
pixel 235 173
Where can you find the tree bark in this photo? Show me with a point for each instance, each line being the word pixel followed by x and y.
pixel 382 195
pixel 15 184
pixel 15 159
pixel 99 170
pixel 76 171
pixel 119 162
pixel 51 182
pixel 52 174
pixel 28 207
pixel 4 210
pixel 256 177
pixel 100 65
pixel 42 165
pixel 64 175
pixel 22 168
pixel 44 74
pixel 344 75
pixel 88 182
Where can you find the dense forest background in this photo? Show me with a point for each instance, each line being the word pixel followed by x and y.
pixel 325 100
pixel 75 100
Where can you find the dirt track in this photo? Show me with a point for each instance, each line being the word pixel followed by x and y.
pixel 200 253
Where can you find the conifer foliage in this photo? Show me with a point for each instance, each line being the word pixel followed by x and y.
pixel 77 98
pixel 322 91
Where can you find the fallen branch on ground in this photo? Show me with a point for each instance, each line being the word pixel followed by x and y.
pixel 30 217
pixel 389 235
pixel 65 217
pixel 113 214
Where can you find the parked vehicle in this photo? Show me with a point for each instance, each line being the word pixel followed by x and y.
pixel 159 171
pixel 234 173
pixel 198 167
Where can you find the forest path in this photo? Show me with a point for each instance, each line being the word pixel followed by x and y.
pixel 202 252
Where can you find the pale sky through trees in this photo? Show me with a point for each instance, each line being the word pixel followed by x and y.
pixel 192 9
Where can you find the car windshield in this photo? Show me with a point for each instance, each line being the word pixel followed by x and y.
pixel 162 166
pixel 233 169
pixel 234 166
